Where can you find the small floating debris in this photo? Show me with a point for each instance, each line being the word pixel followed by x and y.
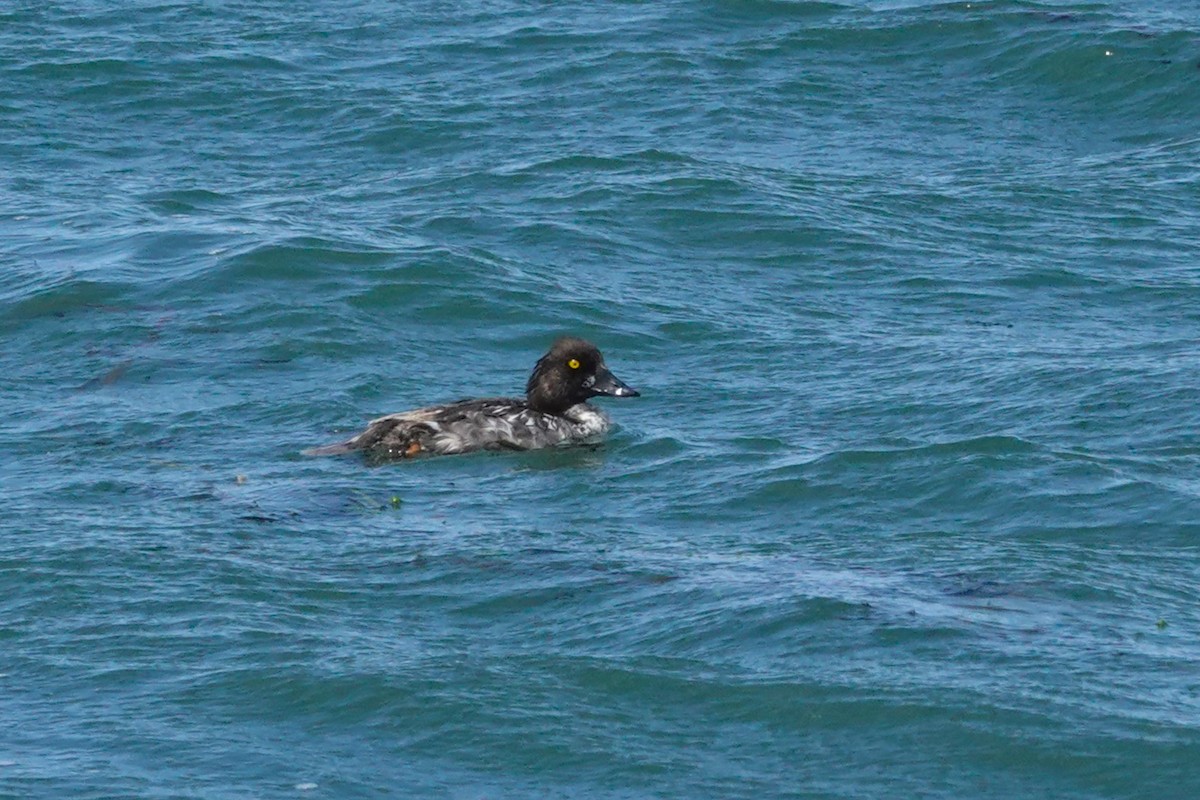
pixel 240 479
pixel 1162 623
pixel 365 501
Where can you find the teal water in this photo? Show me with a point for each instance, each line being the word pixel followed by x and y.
pixel 909 506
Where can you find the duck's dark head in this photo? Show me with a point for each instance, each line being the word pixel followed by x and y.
pixel 570 373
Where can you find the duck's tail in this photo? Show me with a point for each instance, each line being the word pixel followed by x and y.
pixel 338 449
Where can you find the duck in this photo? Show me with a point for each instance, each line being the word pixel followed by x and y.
pixel 554 412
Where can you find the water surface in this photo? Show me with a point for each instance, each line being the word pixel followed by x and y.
pixel 908 506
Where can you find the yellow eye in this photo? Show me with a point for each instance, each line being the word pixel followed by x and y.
pixel 573 363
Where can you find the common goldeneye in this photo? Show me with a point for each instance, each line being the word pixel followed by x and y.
pixel 553 412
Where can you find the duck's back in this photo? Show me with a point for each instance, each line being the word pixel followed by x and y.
pixel 499 423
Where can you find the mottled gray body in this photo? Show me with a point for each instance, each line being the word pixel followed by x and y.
pixel 494 424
